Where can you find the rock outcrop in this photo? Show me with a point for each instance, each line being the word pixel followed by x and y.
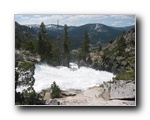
pixel 118 56
pixel 116 93
pixel 23 55
pixel 24 67
pixel 122 89
pixel 119 89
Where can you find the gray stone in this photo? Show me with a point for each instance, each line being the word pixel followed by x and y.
pixel 118 89
pixel 119 58
pixel 122 89
pixel 82 63
pixel 52 102
pixel 69 93
pixel 124 63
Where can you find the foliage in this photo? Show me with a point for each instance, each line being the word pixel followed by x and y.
pixel 54 53
pixel 126 76
pixel 28 45
pixel 26 65
pixel 28 97
pixel 102 85
pixel 66 47
pixel 86 46
pixel 55 90
pixel 17 44
pixel 85 49
pixel 42 41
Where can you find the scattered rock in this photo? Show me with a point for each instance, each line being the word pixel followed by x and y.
pixel 52 102
pixel 69 93
pixel 24 56
pixel 82 63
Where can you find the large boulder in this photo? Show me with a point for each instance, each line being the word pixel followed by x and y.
pixel 122 89
pixel 118 89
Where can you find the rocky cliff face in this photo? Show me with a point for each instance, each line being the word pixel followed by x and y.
pixel 24 67
pixel 118 56
pixel 24 80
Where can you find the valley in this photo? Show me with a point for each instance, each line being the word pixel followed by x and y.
pixel 91 64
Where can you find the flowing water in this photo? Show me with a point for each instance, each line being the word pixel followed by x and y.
pixel 68 78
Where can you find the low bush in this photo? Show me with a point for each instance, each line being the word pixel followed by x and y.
pixel 55 90
pixel 126 76
pixel 26 65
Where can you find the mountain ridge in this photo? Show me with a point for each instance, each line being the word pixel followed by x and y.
pixel 98 33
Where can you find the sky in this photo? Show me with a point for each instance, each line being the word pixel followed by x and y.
pixel 116 20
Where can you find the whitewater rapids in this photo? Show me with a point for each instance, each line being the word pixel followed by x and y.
pixel 68 78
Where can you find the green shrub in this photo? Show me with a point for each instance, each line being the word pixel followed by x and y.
pixel 126 76
pixel 55 90
pixel 26 65
pixel 102 85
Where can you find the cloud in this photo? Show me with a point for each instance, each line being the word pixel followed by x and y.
pixel 36 15
pixel 122 16
pixel 79 17
pixel 37 19
pixel 24 18
pixel 116 23
pixel 76 20
pixel 131 23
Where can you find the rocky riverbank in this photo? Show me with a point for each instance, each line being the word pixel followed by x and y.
pixel 117 93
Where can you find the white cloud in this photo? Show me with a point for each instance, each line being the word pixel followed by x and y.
pixel 122 16
pixel 37 19
pixel 24 18
pixel 113 20
pixel 36 15
pixel 116 23
pixel 131 23
pixel 79 17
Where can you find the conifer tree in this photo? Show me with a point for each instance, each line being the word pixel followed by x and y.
pixel 41 43
pixel 85 46
pixel 66 47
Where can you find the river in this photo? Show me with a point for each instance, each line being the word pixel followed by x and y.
pixel 68 78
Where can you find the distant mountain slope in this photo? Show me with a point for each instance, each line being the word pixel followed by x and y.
pixel 23 33
pixel 97 32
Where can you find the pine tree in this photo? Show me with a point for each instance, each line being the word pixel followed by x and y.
pixel 55 90
pixel 85 46
pixel 66 47
pixel 41 43
pixel 54 55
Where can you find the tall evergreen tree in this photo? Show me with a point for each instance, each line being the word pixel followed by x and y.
pixel 66 47
pixel 86 46
pixel 41 43
pixel 54 55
